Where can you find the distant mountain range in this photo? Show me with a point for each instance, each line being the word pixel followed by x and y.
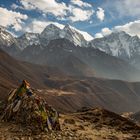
pixel 115 56
pixel 121 45
pixel 52 32
pixel 79 61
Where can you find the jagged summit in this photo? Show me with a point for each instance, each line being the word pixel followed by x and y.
pixel 52 32
pixel 86 35
pixel 6 39
pixel 120 44
pixel 50 27
pixel 28 39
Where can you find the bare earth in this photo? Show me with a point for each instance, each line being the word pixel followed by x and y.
pixel 93 124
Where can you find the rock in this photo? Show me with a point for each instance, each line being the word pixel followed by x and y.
pixel 16 138
pixel 69 121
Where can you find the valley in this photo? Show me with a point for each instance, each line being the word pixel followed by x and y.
pixel 72 74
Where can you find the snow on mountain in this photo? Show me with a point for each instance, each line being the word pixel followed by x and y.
pixel 28 39
pixel 74 36
pixel 51 32
pixel 61 26
pixel 68 32
pixel 119 44
pixel 86 35
pixel 6 39
pixel 54 31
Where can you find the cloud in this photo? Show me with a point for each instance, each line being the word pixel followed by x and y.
pixel 83 12
pixel 123 8
pixel 128 7
pixel 37 26
pixel 80 3
pixel 100 14
pixel 14 6
pixel 98 35
pixel 46 6
pixel 12 18
pixel 80 15
pixel 132 28
pixel 106 31
pixel 76 10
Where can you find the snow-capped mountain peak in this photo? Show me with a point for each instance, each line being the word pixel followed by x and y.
pixel 74 36
pixel 86 35
pixel 28 39
pixel 50 27
pixel 30 36
pixel 6 39
pixel 52 32
pixel 119 44
pixel 55 31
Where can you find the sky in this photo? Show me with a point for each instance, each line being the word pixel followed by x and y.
pixel 97 17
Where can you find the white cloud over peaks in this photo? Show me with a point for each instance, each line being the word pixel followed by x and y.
pixel 37 26
pixel 11 18
pixel 121 8
pixel 100 14
pixel 80 11
pixel 76 10
pixel 104 32
pixel 128 7
pixel 80 15
pixel 46 6
pixel 80 3
pixel 132 28
pixel 98 35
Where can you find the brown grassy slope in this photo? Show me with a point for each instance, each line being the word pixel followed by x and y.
pixel 99 124
pixel 69 93
pixel 72 94
pixel 12 72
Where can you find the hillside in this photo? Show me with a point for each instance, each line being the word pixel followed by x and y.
pixel 92 124
pixel 63 54
pixel 69 93
pixel 12 72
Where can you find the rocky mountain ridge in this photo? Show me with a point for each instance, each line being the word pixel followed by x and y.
pixel 52 32
pixel 118 44
pixel 36 48
pixel 121 45
pixel 71 59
